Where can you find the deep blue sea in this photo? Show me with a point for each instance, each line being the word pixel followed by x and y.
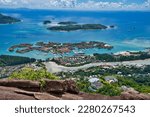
pixel 132 32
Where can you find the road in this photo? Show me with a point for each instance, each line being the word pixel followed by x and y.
pixel 54 68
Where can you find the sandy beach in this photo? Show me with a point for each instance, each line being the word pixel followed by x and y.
pixel 54 68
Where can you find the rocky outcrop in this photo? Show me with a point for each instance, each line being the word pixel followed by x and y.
pixel 132 95
pixel 56 90
pixel 70 86
pixel 21 84
pixel 26 89
pixel 8 93
pixel 69 96
pixel 54 86
pixel 60 86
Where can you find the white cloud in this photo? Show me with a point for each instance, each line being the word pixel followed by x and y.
pixel 100 5
pixel 35 3
pixel 114 5
pixel 89 4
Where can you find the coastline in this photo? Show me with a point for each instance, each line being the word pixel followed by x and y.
pixel 114 37
pixel 54 68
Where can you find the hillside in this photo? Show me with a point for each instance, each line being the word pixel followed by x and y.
pixel 7 60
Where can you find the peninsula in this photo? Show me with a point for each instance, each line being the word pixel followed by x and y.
pixel 8 20
pixel 58 48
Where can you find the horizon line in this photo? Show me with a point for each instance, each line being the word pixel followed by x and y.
pixel 75 9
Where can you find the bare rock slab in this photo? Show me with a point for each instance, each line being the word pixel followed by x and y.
pixel 22 84
pixel 54 86
pixel 45 96
pixel 68 96
pixel 70 87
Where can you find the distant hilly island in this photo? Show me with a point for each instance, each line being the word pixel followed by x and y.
pixel 73 26
pixel 8 19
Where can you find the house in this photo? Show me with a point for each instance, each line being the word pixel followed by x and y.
pixel 111 79
pixel 95 83
pixel 129 89
pixel 124 53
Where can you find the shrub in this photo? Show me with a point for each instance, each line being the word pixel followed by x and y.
pixel 110 90
pixel 31 74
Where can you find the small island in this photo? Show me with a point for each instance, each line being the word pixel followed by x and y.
pixel 77 27
pixel 73 26
pixel 47 22
pixel 58 48
pixel 8 20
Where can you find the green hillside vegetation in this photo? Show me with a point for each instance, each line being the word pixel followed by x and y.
pixel 83 85
pixel 77 27
pixel 34 75
pixel 107 89
pixel 31 74
pixel 7 19
pixel 129 81
pixel 130 76
pixel 67 23
pixel 110 90
pixel 113 89
pixel 7 60
pixel 112 58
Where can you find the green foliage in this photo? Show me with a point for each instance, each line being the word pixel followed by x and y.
pixel 71 27
pixel 2 63
pixel 30 74
pixel 110 90
pixel 124 70
pixel 142 80
pixel 119 58
pixel 42 83
pixel 143 89
pixel 83 85
pixel 135 77
pixel 104 57
pixel 7 60
pixel 126 81
pixel 129 81
pixel 107 89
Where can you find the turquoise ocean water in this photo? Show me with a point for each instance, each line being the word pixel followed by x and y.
pixel 132 32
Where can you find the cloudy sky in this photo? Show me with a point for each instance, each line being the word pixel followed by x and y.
pixel 78 4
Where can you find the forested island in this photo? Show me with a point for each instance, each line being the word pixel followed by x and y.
pixel 73 26
pixel 67 23
pixel 8 20
pixel 77 27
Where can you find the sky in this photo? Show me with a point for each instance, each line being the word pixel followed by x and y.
pixel 78 4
